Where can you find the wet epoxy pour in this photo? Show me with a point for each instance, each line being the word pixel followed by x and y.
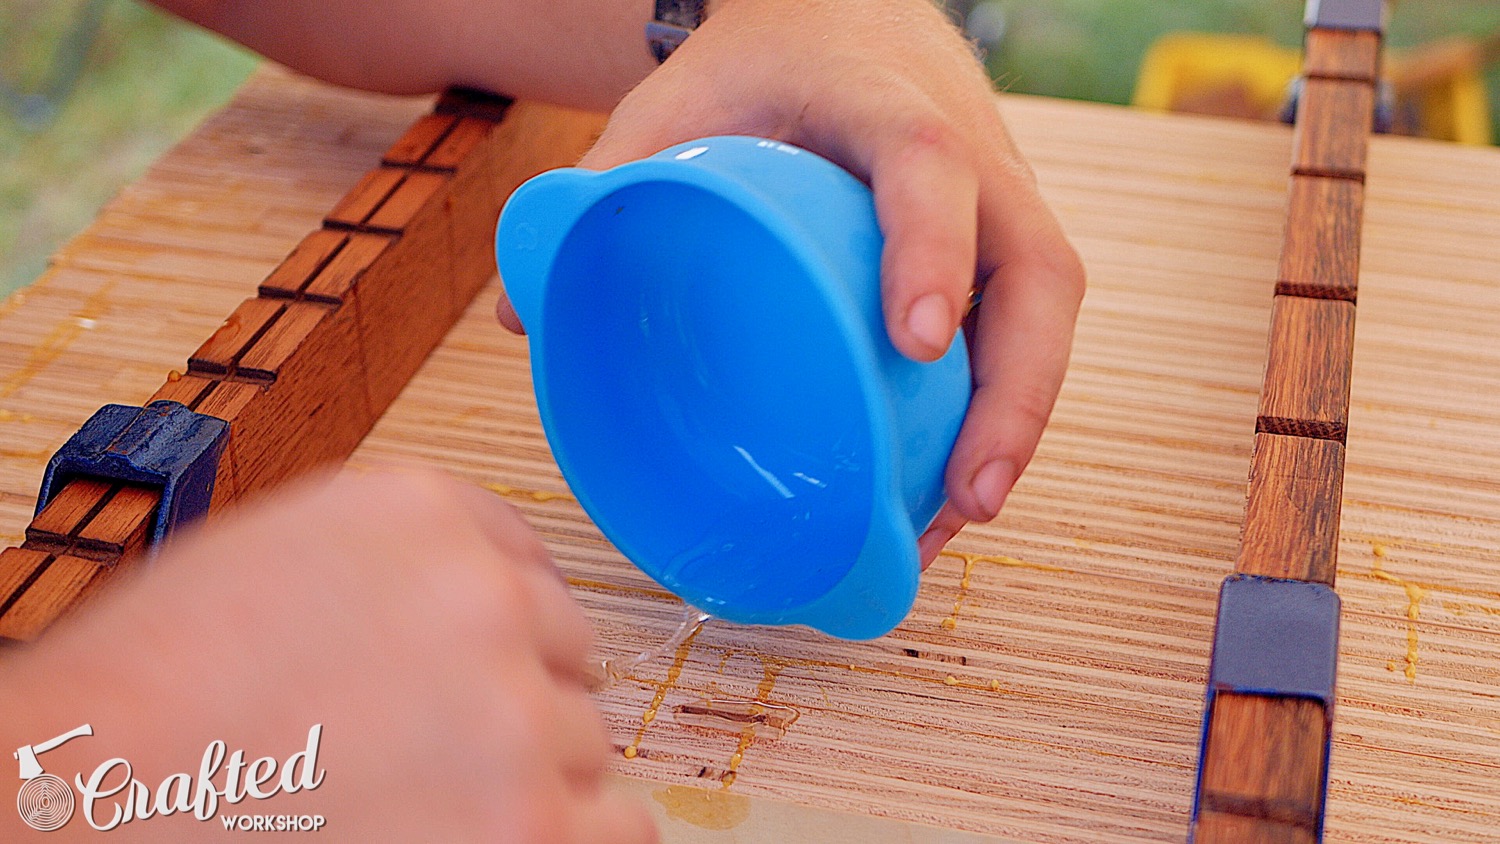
pixel 607 672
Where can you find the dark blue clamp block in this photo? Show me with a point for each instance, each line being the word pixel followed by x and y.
pixel 1346 14
pixel 162 444
pixel 1385 104
pixel 1275 637
pixel 1278 638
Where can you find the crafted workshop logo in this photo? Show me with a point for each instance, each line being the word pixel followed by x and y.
pixel 113 796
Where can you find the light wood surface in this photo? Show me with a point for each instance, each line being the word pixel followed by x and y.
pixel 1048 685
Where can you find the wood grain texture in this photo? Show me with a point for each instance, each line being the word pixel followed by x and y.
pixel 521 145
pixel 1342 54
pixel 413 146
pixel 362 199
pixel 70 508
pixel 408 200
pixel 456 147
pixel 693 815
pixel 120 527
pixel 187 390
pixel 310 256
pixel 315 411
pixel 1219 828
pixel 220 353
pixel 18 567
pixel 450 236
pixel 1334 118
pixel 1308 366
pixel 1264 759
pixel 61 587
pixel 306 354
pixel 1320 248
pixel 1090 600
pixel 1291 527
pixel 282 339
pixel 333 283
pixel 402 301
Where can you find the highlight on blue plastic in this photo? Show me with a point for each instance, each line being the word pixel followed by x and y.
pixel 715 380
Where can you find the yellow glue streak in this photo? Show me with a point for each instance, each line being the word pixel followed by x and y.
pixel 970 560
pixel 963 591
pixel 51 347
pixel 770 670
pixel 517 492
pixel 1414 596
pixel 673 673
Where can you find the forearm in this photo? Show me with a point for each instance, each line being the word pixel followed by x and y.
pixel 584 53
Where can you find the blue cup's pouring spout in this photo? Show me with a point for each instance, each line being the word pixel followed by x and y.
pixel 716 383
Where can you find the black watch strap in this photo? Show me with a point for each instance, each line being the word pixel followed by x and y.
pixel 675 21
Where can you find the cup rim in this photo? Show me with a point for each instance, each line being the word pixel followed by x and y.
pixel 886 516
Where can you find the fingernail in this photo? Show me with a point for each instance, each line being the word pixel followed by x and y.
pixel 992 484
pixel 930 320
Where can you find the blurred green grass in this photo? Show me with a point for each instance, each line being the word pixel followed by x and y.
pixel 147 79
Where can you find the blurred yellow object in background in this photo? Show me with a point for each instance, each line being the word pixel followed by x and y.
pixel 1438 88
pixel 1228 75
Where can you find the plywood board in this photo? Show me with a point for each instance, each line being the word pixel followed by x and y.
pixel 1048 685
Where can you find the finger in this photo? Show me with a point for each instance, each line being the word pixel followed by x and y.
pixel 556 729
pixel 625 138
pixel 926 186
pixel 655 116
pixel 573 738
pixel 560 630
pixel 519 574
pixel 609 817
pixel 948 522
pixel 926 199
pixel 503 526
pixel 505 314
pixel 1024 332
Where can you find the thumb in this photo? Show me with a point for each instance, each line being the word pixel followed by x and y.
pixel 505 314
pixel 625 138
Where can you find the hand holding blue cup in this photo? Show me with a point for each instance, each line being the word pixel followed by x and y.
pixel 715 380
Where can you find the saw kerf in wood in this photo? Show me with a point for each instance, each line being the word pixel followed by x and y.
pixel 302 371
pixel 1267 724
